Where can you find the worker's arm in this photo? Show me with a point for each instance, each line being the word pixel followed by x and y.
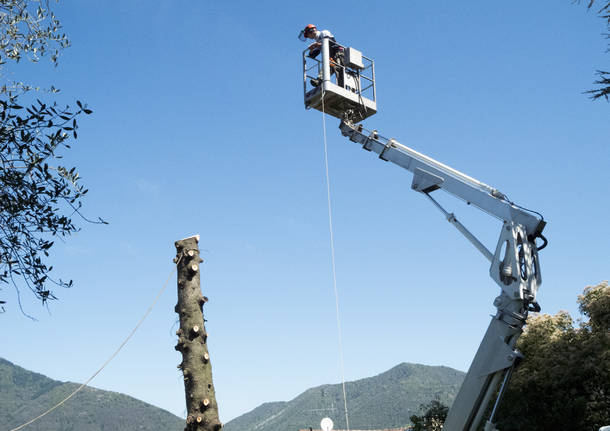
pixel 314 49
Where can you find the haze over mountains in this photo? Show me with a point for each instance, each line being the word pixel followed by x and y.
pixel 383 401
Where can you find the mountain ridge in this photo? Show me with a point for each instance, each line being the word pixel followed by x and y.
pixel 386 400
pixel 26 394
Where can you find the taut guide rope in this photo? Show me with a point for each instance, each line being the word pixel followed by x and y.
pixel 332 253
pixel 116 352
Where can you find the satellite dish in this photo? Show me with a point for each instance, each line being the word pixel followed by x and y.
pixel 326 424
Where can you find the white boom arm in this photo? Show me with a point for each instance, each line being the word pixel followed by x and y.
pixel 514 267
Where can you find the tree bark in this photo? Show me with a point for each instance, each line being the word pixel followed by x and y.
pixel 192 341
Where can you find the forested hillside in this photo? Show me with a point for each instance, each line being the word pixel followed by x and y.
pixel 25 394
pixel 383 401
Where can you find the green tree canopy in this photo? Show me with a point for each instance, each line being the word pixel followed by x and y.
pixel 433 418
pixel 564 380
pixel 603 81
pixel 38 196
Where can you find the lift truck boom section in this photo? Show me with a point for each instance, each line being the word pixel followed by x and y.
pixel 514 262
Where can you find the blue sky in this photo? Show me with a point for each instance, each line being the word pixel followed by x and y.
pixel 199 127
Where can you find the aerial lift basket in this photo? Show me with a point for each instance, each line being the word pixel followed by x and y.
pixel 341 84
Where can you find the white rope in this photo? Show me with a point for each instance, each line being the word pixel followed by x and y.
pixel 116 352
pixel 332 254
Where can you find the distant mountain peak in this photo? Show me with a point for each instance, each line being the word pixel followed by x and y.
pixel 382 402
pixel 25 394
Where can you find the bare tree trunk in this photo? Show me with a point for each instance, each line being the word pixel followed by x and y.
pixel 196 367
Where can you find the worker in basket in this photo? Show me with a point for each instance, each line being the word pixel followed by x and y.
pixel 335 50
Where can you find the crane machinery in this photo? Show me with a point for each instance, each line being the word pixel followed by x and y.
pixel 514 263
